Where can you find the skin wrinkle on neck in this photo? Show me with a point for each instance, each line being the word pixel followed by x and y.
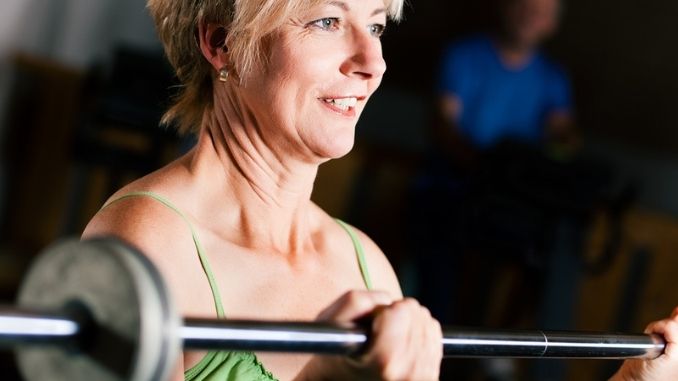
pixel 279 169
pixel 274 190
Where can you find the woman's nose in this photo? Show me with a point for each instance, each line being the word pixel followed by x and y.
pixel 365 57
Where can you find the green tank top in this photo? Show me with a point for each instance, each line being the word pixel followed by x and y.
pixel 225 365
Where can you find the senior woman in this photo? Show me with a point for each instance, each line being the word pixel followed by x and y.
pixel 273 89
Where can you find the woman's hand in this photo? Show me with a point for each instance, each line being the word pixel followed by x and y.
pixel 663 368
pixel 406 342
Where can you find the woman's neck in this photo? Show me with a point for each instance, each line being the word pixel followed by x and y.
pixel 262 193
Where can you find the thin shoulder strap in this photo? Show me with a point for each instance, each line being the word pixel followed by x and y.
pixel 201 251
pixel 360 253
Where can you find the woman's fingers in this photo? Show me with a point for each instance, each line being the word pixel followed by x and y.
pixel 663 368
pixel 435 335
pixel 668 328
pixel 434 352
pixel 407 343
pixel 390 340
pixel 420 352
pixel 355 305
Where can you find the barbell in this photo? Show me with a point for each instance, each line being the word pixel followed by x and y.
pixel 99 310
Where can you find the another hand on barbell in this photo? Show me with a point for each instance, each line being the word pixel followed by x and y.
pixel 662 368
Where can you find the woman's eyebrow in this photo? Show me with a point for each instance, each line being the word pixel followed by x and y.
pixel 346 8
pixel 340 4
pixel 378 11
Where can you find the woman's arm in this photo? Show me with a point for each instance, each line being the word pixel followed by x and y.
pixel 178 373
pixel 381 271
pixel 405 339
pixel 136 222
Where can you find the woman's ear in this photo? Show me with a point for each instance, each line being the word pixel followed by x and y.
pixel 212 41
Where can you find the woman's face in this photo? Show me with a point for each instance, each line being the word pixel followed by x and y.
pixel 322 68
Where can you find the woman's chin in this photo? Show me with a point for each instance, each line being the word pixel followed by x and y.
pixel 334 148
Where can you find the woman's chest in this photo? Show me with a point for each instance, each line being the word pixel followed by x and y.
pixel 264 289
pixel 272 289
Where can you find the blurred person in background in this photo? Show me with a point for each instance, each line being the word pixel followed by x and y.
pixel 499 86
pixel 504 184
pixel 502 104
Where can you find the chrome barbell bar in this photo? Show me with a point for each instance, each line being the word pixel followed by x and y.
pixel 22 328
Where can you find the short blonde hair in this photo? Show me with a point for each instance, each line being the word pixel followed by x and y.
pixel 249 22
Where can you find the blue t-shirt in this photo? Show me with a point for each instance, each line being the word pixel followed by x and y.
pixel 497 102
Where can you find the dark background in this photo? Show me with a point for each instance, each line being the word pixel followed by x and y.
pixel 82 84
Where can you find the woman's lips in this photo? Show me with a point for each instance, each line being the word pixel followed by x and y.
pixel 344 106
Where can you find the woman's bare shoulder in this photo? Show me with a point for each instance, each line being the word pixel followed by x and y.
pixel 143 221
pixel 132 218
pixel 380 268
pixel 162 235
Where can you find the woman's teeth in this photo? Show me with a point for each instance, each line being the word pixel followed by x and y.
pixel 343 103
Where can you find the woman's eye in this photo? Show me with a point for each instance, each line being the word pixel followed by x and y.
pixel 328 23
pixel 377 30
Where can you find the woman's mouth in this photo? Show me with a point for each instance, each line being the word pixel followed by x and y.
pixel 344 106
